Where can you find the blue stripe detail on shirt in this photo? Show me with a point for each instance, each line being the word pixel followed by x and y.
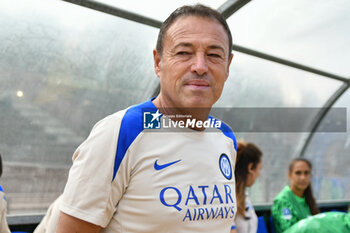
pixel 233 227
pixel 2 190
pixel 227 131
pixel 131 127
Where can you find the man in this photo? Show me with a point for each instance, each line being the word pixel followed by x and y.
pixel 128 179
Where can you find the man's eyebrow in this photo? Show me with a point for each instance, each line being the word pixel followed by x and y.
pixel 217 47
pixel 183 44
pixel 186 44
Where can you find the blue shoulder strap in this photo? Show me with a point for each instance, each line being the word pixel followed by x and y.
pixel 227 131
pixel 131 127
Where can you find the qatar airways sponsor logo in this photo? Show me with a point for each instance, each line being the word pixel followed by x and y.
pixel 200 202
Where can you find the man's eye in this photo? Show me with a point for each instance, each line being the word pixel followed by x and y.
pixel 183 53
pixel 214 55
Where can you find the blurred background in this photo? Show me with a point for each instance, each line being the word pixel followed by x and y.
pixel 64 65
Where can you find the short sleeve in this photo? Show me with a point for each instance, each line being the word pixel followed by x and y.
pixel 3 206
pixel 283 215
pixel 233 225
pixel 88 193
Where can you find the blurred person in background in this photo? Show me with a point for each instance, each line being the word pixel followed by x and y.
pixel 328 222
pixel 49 223
pixel 247 170
pixel 296 201
pixel 4 228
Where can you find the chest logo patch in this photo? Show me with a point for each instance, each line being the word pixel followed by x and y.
pixel 225 166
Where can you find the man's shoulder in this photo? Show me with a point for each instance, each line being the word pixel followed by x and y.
pixel 226 130
pixel 131 115
pixel 111 120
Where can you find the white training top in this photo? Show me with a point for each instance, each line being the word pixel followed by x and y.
pixel 249 223
pixel 4 228
pixel 126 179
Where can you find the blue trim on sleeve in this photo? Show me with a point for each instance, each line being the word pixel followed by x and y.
pixel 233 227
pixel 227 131
pixel 2 190
pixel 131 127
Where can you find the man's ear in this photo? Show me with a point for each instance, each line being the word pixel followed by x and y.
pixel 228 66
pixel 157 62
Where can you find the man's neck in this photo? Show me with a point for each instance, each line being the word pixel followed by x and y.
pixel 181 114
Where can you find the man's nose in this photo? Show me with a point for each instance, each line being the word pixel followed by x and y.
pixel 200 64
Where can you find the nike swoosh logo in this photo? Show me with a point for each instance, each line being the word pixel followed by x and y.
pixel 162 166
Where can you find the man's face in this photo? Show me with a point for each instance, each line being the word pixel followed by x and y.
pixel 194 64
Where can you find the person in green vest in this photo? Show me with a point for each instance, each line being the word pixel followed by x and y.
pixel 295 202
pixel 334 222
